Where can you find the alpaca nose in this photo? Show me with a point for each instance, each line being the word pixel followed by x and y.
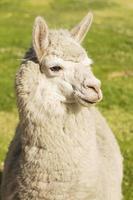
pixel 95 86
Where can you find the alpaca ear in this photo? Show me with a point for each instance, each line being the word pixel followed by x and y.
pixel 79 32
pixel 40 37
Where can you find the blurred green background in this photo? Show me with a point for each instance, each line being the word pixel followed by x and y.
pixel 109 43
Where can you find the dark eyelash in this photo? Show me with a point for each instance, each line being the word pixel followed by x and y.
pixel 55 68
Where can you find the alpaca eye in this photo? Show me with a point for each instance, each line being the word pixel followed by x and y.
pixel 55 68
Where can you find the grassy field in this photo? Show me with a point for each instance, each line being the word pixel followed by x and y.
pixel 109 43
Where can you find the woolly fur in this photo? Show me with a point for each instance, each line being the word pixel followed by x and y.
pixel 61 150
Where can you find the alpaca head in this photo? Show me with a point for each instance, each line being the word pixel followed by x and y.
pixel 64 63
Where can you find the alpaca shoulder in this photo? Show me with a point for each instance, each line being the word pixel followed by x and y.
pixel 103 130
pixel 107 143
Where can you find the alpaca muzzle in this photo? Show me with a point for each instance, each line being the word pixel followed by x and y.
pixel 91 94
pixel 88 94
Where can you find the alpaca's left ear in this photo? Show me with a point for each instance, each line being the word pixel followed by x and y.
pixel 40 37
pixel 79 32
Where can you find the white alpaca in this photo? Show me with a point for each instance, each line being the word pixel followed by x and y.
pixel 63 148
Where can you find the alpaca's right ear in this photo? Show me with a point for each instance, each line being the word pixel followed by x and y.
pixel 40 37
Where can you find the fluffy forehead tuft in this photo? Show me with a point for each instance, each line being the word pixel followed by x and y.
pixel 65 47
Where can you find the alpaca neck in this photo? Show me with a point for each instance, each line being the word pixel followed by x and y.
pixel 73 123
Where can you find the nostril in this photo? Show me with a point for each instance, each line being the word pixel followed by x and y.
pixel 91 87
pixel 93 84
pixel 94 87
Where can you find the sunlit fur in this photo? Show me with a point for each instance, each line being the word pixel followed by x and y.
pixel 63 148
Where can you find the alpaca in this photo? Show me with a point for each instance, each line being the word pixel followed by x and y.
pixel 63 148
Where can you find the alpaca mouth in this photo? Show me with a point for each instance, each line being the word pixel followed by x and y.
pixel 87 101
pixel 84 101
pixel 90 97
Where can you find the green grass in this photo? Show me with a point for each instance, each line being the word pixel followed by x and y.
pixel 109 43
